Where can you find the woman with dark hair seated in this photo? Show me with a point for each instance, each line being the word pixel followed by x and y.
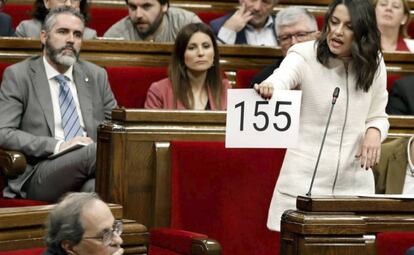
pixel 31 27
pixel 194 80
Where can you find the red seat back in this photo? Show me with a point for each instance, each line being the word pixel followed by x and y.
pixel 2 67
pixel 130 84
pixel 18 12
pixel 225 194
pixel 102 18
pixel 208 16
pixel 244 77
pixel 394 243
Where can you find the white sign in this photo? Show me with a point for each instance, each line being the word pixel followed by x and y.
pixel 253 122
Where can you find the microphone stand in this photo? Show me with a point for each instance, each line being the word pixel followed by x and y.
pixel 335 96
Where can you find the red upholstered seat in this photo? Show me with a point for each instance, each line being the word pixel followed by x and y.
pixel 130 84
pixel 319 20
pixel 410 29
pixel 244 77
pixel 18 12
pixel 394 243
pixel 2 67
pixel 32 251
pixel 165 241
pixel 208 16
pixel 225 194
pixel 103 18
pixel 14 202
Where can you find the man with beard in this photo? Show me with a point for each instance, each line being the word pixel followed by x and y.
pixel 49 104
pixel 294 25
pixel 151 20
pixel 253 23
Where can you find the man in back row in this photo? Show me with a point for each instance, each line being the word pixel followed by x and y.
pixel 253 24
pixel 294 25
pixel 151 20
pixel 49 103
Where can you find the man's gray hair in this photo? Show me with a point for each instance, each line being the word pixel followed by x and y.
pixel 293 14
pixel 50 18
pixel 64 221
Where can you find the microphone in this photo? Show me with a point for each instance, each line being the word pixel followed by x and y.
pixel 334 97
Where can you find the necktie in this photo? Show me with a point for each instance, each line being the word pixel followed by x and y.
pixel 70 118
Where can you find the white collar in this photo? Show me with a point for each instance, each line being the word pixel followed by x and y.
pixel 51 72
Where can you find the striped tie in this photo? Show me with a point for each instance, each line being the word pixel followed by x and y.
pixel 70 118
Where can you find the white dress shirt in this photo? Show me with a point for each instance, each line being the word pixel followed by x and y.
pixel 257 37
pixel 54 93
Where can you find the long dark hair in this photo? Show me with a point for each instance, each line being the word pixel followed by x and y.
pixel 366 44
pixel 177 70
pixel 39 11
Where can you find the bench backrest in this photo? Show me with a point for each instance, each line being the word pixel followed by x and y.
pixel 225 193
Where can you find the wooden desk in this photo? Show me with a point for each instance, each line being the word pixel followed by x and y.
pixel 342 225
pixel 133 156
pixel 23 228
pixel 128 53
pixel 134 148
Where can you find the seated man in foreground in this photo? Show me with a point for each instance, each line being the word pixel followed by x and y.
pixel 49 103
pixel 83 224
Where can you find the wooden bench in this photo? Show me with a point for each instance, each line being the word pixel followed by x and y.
pixel 23 228
pixel 133 155
pixel 232 57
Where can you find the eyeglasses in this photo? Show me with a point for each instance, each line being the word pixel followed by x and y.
pixel 300 36
pixel 72 1
pixel 109 234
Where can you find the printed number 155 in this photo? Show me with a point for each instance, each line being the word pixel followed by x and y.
pixel 264 115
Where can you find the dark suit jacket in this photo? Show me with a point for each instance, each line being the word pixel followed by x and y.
pixel 50 251
pixel 26 110
pixel 6 28
pixel 391 171
pixel 241 36
pixel 266 72
pixel 400 100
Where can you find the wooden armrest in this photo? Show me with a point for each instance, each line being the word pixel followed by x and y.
pixel 12 163
pixel 184 242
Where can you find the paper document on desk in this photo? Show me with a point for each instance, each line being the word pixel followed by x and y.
pixel 74 146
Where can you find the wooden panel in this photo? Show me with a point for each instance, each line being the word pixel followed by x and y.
pixel 138 155
pixel 162 196
pixel 23 228
pixel 324 225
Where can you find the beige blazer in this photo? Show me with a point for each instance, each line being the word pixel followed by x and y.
pixel 390 172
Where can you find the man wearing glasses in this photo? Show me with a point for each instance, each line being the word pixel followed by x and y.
pixel 83 224
pixel 5 21
pixel 293 25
